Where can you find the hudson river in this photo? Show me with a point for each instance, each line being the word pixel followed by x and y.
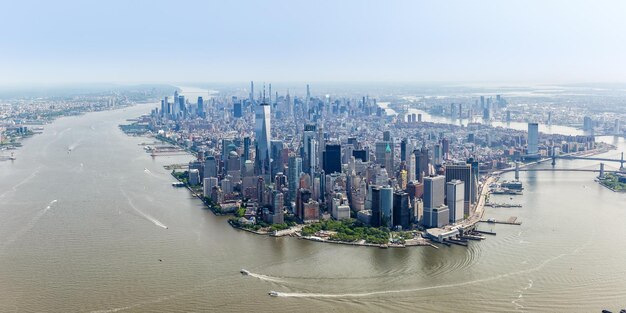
pixel 90 222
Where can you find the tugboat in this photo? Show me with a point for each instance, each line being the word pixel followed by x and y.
pixel 244 272
pixel 273 293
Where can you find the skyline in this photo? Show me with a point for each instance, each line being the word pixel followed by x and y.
pixel 350 41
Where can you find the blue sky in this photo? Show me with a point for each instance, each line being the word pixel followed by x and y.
pixel 231 41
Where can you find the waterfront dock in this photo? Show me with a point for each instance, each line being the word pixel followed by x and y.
pixel 510 221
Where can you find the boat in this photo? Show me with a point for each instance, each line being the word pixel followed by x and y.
pixel 512 184
pixel 273 293
pixel 12 157
pixel 244 272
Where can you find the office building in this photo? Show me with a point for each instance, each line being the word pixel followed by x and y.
pixel 533 140
pixel 294 168
pixel 463 172
pixel 332 159
pixel 262 131
pixel 386 206
pixel 455 197
pixel 401 210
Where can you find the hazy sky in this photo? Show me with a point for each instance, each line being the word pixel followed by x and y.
pixel 211 41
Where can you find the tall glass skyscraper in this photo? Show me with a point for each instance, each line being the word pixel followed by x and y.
pixel 262 132
pixel 533 139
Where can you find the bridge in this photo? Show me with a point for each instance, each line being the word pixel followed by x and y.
pixel 591 158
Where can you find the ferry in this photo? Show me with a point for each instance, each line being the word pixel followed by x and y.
pixel 273 293
pixel 512 185
pixel 244 272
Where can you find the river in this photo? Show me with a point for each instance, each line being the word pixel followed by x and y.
pixel 99 228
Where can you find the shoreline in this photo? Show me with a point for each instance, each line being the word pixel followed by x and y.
pixel 17 144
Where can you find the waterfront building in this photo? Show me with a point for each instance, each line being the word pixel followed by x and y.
pixel 434 207
pixel 375 220
pixel 464 173
pixel 455 192
pixel 193 177
pixel 208 184
pixel 311 211
pixel 386 206
pixel 401 209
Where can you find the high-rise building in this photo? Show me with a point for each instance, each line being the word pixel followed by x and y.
pixel 422 163
pixel 533 139
pixel 200 108
pixel 455 191
pixel 401 209
pixel 386 206
pixel 309 148
pixel 210 167
pixel 246 148
pixel 276 154
pixel 434 191
pixel 252 92
pixel 375 221
pixel 237 109
pixel 435 211
pixel 384 155
pixel 293 176
pixel 332 159
pixel 587 123
pixel 463 172
pixel 262 131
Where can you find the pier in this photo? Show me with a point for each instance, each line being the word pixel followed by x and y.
pixel 510 221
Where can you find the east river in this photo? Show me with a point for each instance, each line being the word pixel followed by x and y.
pixel 90 222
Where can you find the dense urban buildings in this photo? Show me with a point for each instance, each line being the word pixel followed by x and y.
pixel 303 158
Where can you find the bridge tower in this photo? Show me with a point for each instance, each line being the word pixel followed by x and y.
pixel 553 156
pixel 516 170
pixel 621 167
pixel 601 170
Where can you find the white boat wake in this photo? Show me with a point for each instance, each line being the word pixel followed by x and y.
pixel 142 214
pixel 29 225
pixel 266 278
pixel 383 292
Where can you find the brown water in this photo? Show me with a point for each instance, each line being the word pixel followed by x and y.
pixel 85 230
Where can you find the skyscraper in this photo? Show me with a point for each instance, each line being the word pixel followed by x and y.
pixel 375 206
pixel 401 210
pixel 435 212
pixel 533 139
pixel 262 131
pixel 386 206
pixel 309 148
pixel 293 176
pixel 455 191
pixel 210 167
pixel 463 172
pixel 200 107
pixel 332 159
pixel 434 191
pixel 276 155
